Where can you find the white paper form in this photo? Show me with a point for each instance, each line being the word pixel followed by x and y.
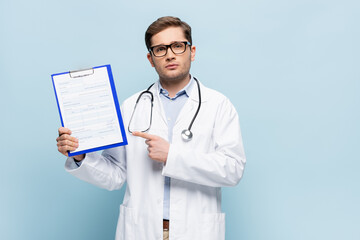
pixel 88 107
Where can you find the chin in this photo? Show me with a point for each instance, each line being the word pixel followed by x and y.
pixel 175 76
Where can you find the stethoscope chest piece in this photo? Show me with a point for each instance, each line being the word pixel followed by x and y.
pixel 186 135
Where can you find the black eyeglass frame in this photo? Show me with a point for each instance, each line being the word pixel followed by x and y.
pixel 169 46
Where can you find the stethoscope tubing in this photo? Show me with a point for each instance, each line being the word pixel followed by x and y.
pixel 188 130
pixel 199 106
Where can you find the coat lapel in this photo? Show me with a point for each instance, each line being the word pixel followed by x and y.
pixel 158 107
pixel 192 103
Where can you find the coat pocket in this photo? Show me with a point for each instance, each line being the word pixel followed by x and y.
pixel 213 226
pixel 126 224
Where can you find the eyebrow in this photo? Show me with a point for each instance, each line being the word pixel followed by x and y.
pixel 169 43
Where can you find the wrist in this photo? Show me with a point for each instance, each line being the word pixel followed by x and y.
pixel 79 158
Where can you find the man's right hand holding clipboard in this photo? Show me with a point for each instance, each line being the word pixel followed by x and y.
pixel 65 143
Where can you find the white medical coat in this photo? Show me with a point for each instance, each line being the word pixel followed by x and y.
pixel 198 168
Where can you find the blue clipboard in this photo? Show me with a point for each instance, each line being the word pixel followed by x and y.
pixel 74 106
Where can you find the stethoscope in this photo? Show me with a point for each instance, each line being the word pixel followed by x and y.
pixel 186 134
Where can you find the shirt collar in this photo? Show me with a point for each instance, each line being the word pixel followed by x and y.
pixel 186 90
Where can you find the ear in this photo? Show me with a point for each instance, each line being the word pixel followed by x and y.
pixel 150 59
pixel 192 53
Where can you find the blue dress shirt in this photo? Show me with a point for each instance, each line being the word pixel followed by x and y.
pixel 172 108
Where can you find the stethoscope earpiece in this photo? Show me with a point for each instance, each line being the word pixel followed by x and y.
pixel 186 135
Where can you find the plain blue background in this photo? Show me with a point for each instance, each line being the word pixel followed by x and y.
pixel 291 68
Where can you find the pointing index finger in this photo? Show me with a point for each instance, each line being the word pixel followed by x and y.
pixel 143 135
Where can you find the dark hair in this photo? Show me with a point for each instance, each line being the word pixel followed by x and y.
pixel 164 23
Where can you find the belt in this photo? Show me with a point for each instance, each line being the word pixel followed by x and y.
pixel 166 224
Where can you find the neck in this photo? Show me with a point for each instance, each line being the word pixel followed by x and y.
pixel 174 87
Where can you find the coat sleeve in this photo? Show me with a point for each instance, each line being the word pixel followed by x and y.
pixel 223 166
pixel 107 170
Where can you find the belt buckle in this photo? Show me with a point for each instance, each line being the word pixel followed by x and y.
pixel 166 224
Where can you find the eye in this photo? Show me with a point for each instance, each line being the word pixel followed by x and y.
pixel 178 45
pixel 160 49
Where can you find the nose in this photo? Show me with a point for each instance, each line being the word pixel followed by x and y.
pixel 170 55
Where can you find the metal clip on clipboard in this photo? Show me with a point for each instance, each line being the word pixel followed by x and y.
pixel 81 73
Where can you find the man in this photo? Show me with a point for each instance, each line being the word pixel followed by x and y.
pixel 173 186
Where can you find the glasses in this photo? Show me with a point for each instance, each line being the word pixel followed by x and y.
pixel 176 48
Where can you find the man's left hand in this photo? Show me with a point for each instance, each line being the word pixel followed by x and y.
pixel 158 147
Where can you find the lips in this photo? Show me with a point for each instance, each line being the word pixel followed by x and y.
pixel 171 66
